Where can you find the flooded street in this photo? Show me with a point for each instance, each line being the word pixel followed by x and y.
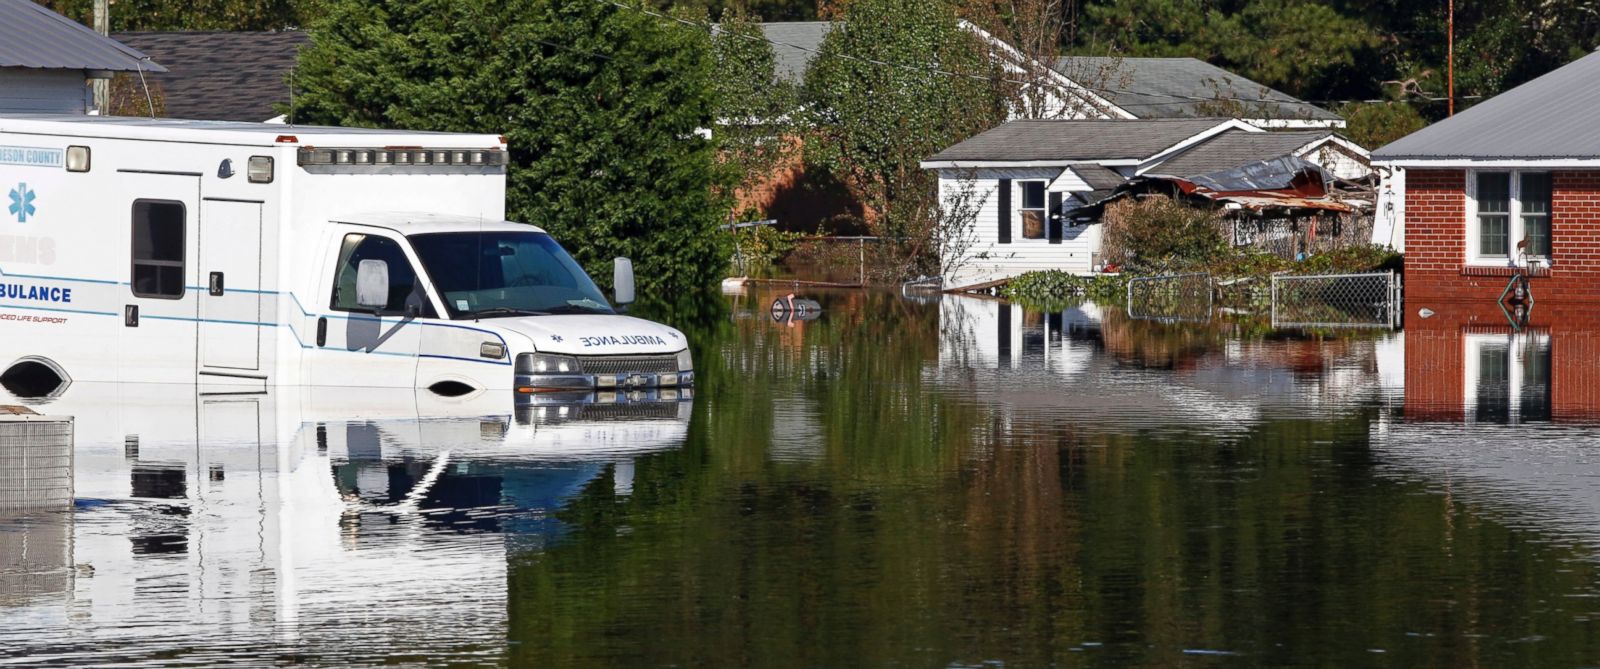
pixel 918 482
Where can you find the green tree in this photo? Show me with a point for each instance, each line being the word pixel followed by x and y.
pixel 895 83
pixel 1374 124
pixel 605 107
pixel 754 106
pixel 127 15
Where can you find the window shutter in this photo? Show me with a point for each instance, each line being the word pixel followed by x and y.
pixel 1005 211
pixel 1052 218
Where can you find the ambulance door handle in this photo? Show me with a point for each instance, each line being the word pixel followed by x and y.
pixel 322 331
pixel 216 284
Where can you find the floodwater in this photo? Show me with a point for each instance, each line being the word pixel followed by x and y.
pixel 932 482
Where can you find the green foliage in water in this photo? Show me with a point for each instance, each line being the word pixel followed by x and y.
pixel 603 106
pixel 1051 287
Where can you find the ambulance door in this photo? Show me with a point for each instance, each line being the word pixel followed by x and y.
pixel 159 300
pixel 230 304
pixel 362 346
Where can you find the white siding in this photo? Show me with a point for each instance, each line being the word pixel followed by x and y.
pixel 983 257
pixel 30 91
pixel 1338 161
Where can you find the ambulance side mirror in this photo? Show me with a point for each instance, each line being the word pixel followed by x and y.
pixel 622 280
pixel 372 284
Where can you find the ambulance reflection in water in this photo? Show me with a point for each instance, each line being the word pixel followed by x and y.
pixel 255 522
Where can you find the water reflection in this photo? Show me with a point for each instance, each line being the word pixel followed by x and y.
pixel 896 482
pixel 278 527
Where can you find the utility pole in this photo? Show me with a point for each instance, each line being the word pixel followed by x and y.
pixel 1451 48
pixel 102 86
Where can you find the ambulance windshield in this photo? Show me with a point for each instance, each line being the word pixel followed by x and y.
pixel 500 274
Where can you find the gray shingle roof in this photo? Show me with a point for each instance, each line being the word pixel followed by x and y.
pixel 1070 141
pixel 34 37
pixel 1553 116
pixel 1236 148
pixel 1168 88
pixel 1098 178
pixel 794 46
pixel 222 76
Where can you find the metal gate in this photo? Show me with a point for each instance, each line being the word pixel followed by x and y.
pixel 1171 298
pixel 1336 301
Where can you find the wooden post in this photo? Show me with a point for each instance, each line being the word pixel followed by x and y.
pixel 1451 49
pixel 102 25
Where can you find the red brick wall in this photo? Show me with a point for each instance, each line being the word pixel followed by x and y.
pixel 1436 226
pixel 1436 357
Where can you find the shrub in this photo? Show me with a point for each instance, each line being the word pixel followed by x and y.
pixel 1155 234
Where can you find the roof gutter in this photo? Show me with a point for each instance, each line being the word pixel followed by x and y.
pixel 1000 164
pixel 1467 162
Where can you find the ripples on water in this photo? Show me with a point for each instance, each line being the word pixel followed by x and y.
pixel 938 482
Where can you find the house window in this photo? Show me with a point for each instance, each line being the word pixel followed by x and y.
pixel 158 249
pixel 1032 209
pixel 1509 207
pixel 1535 201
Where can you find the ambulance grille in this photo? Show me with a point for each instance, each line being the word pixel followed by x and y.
pixel 635 364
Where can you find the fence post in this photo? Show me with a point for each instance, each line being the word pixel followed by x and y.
pixel 861 250
pixel 1274 298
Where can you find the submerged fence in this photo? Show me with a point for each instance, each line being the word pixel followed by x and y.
pixel 1336 301
pixel 1183 298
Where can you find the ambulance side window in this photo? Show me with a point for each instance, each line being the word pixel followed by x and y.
pixel 158 249
pixel 403 288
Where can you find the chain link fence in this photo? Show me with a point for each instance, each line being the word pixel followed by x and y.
pixel 1336 301
pixel 1178 298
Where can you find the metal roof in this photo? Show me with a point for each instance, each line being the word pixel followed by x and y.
pixel 1183 87
pixel 223 76
pixel 32 36
pixel 229 132
pixel 1235 149
pixel 1076 140
pixel 1551 117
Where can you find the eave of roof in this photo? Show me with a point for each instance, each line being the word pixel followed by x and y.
pixel 33 37
pixel 1551 118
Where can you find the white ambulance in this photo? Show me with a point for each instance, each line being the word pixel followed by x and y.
pixel 242 256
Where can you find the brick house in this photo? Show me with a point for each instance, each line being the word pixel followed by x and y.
pixel 1512 184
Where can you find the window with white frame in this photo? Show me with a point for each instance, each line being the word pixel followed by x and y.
pixel 1032 209
pixel 1508 207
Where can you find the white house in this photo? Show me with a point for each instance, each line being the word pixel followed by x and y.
pixel 48 60
pixel 1011 192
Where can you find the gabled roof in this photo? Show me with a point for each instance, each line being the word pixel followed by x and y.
pixel 1069 141
pixel 32 36
pixel 795 45
pixel 1235 149
pixel 1551 117
pixel 222 76
pixel 1183 87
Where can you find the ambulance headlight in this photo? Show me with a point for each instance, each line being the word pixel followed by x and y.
pixel 546 363
pixel 685 361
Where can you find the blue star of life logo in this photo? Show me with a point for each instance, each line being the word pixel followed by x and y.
pixel 556 337
pixel 22 202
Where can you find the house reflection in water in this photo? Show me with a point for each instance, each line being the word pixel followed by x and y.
pixel 1468 363
pixel 1089 363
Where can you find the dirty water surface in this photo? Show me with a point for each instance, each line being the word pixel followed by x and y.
pixel 921 482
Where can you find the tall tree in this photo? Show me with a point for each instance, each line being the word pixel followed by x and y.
pixel 895 83
pixel 605 106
